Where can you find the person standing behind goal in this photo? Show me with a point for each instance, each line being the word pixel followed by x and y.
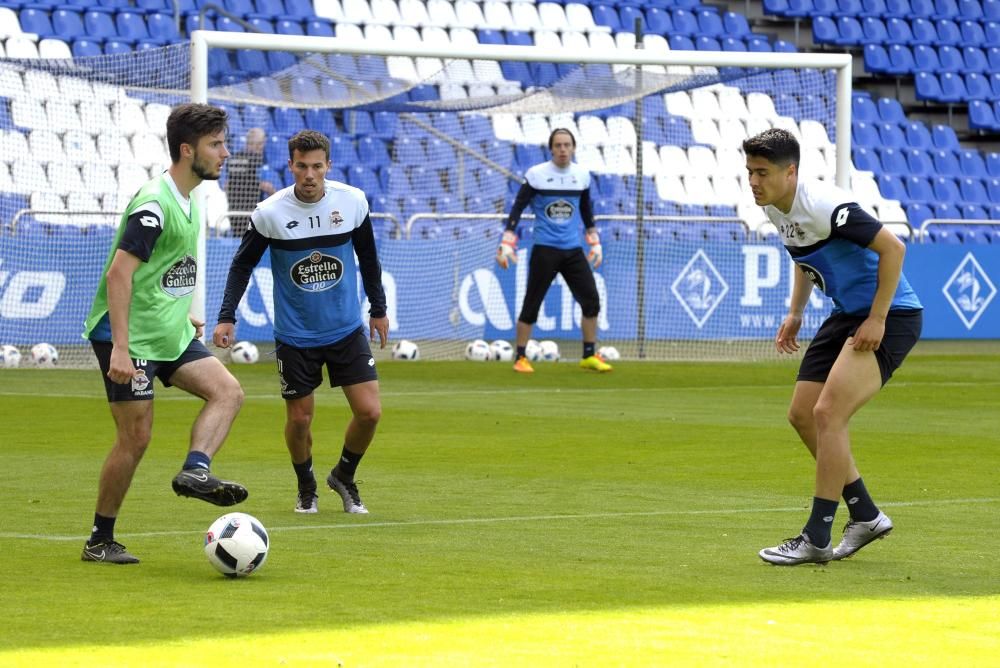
pixel 314 228
pixel 876 320
pixel 559 194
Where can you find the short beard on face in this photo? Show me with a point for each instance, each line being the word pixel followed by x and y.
pixel 203 171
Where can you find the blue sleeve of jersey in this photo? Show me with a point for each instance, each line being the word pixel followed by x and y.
pixel 524 196
pixel 138 238
pixel 363 238
pixel 849 221
pixel 246 258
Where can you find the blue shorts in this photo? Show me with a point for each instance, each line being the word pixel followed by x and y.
pixel 902 329
pixel 140 388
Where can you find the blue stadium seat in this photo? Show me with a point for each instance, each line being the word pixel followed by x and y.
pixel 86 48
pixel 893 161
pixel 784 46
pixel 358 123
pixel 272 8
pixel 989 8
pixel 982 116
pixel 971 9
pixel 891 187
pixel 252 62
pixel 973 191
pixel 917 213
pixel 948 32
pixel 300 8
pixel 605 15
pixel 992 160
pixel 67 24
pixel 993 190
pixel 946 162
pixel 974 59
pixel 926 86
pixel 945 9
pixel 758 44
pixel 861 8
pixel 919 189
pixel 991 29
pixel 627 15
pixel 972 164
pixel 921 8
pixel 952 87
pixel 899 31
pixel 163 26
pixel 918 162
pixel 489 36
pixel 865 159
pixel 735 25
pixel 824 30
pixel 288 25
pixel 891 111
pixel 945 189
pixel 226 24
pixel 99 24
pixel 115 46
pixel 658 21
pixel 972 32
pixel 681 43
pixel 703 43
pixel 685 23
pixel 36 21
pixel 900 59
pixel 918 136
pixel 287 120
pixel 863 108
pixel 897 9
pixel 342 151
pixel 733 44
pixel 923 31
pixel 710 22
pixel 318 26
pixel 241 8
pixel 776 7
pixel 131 25
pixel 874 30
pixel 950 59
pixel 799 8
pixel 925 59
pixel 849 31
pixel 891 135
pixel 261 23
pixel 373 152
pixel 865 134
pixel 977 86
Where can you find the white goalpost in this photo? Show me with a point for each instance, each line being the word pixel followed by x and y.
pixel 438 133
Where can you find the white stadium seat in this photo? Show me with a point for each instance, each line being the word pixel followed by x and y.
pixel 386 12
pixel 732 131
pixel 74 89
pixel 99 178
pixel 673 161
pixel 11 83
pixel 349 32
pixel 814 134
pixel 702 159
pixel 62 115
pixel 28 176
pixel 414 13
pixel 761 105
pixel 730 160
pixel 150 151
pixel 591 159
pixel 552 16
pixel 593 131
pixel 575 41
pixel 601 41
pixel 402 67
pixel 442 13
pixel 733 103
pixel 579 17
pixel 621 131
pixel 28 113
pixel 45 145
pixel 113 149
pixel 497 15
pixel 508 128
pixel 705 103
pixel 698 188
pixel 357 12
pixel 467 14
pixel 679 104
pixel 463 37
pixel 406 35
pixel 526 16
pixel 6 180
pixel 9 24
pixel 705 131
pixel 13 144
pixel 548 39
pixel 536 128
pixel 79 147
pixel 21 47
pixel 757 124
pixel 65 178
pixel 329 9
pixel 669 187
pixel 41 84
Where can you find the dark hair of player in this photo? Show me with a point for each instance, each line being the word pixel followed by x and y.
pixel 188 123
pixel 308 140
pixel 775 145
pixel 561 131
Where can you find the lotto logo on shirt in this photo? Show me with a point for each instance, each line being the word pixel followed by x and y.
pixel 559 210
pixel 317 272
pixel 179 280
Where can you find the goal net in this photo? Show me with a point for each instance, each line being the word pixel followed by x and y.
pixel 439 139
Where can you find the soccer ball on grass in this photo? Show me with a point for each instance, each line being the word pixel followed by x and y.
pixel 549 351
pixel 609 353
pixel 405 350
pixel 502 351
pixel 244 352
pixel 236 544
pixel 44 355
pixel 477 351
pixel 10 357
pixel 533 351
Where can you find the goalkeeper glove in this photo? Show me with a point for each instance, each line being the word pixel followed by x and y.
pixel 507 252
pixel 596 254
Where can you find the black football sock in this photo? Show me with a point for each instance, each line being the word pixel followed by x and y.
pixel 347 465
pixel 859 502
pixel 588 349
pixel 304 472
pixel 521 351
pixel 104 529
pixel 820 523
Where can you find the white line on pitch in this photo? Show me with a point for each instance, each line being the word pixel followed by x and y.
pixel 516 518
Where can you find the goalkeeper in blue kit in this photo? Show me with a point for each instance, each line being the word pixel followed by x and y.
pixel 313 229
pixel 559 194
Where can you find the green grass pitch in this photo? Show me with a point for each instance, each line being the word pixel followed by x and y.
pixel 562 519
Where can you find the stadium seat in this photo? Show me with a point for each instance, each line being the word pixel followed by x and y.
pixel 944 31
pixel 99 24
pixel 36 20
pixel 926 86
pixel 900 59
pixel 893 161
pixel 606 15
pixel 86 48
pixel 919 189
pixel 952 87
pixel 874 30
pixel 863 108
pixel 972 33
pixel 946 163
pixel 131 25
pixel 925 59
pixel 972 191
pixel 865 159
pixel 824 30
pixel 977 87
pixel 919 162
pixel 898 31
pixel 992 160
pixel 946 189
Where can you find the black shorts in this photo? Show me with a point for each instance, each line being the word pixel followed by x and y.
pixel 545 263
pixel 348 362
pixel 141 387
pixel 902 329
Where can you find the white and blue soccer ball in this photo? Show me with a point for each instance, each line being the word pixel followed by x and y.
pixel 244 352
pixel 44 355
pixel 549 351
pixel 236 544
pixel 533 351
pixel 405 350
pixel 477 351
pixel 502 351
pixel 609 353
pixel 10 357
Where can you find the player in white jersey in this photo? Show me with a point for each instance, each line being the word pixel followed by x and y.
pixel 313 229
pixel 875 322
pixel 559 194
